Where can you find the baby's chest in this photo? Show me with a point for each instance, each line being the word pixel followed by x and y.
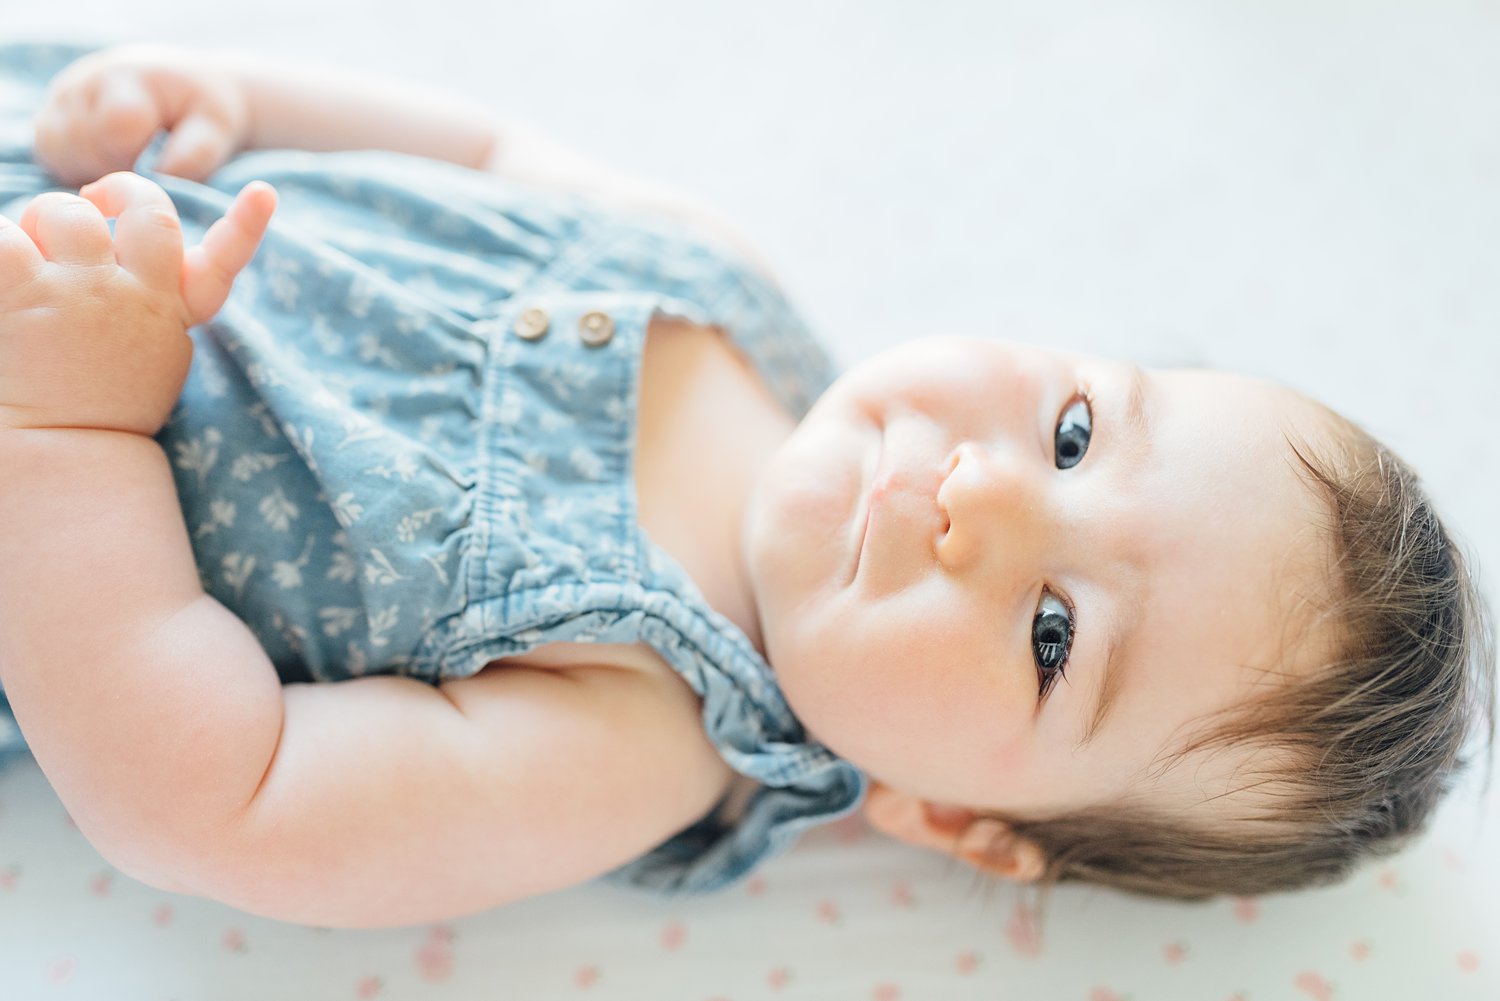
pixel 706 426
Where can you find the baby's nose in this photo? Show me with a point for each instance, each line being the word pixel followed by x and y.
pixel 995 501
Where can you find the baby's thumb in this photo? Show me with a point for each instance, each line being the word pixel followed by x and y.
pixel 197 146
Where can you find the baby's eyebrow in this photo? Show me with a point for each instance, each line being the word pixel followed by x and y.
pixel 1114 665
pixel 1138 422
pixel 1137 440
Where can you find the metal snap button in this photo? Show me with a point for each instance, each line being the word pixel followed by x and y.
pixel 595 328
pixel 531 324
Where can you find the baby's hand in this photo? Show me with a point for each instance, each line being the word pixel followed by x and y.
pixel 102 110
pixel 93 330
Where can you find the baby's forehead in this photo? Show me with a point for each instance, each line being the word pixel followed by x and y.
pixel 1240 528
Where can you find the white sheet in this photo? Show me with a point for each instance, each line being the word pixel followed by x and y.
pixel 847 914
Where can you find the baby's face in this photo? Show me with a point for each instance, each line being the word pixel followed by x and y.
pixel 955 557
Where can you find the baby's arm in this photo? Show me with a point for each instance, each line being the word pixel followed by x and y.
pixel 155 713
pixel 118 671
pixel 102 110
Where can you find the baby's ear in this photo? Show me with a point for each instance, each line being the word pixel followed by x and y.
pixel 953 830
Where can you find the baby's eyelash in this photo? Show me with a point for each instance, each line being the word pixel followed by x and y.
pixel 1060 671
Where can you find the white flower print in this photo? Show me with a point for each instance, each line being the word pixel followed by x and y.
pixel 237 570
pixel 278 511
pixel 424 283
pixel 342 566
pixel 281 273
pixel 403 467
pixel 303 442
pixel 588 464
pixel 383 622
pixel 406 528
pixel 361 297
pixel 251 463
pixel 200 454
pixel 325 337
pixel 358 427
pixel 356 662
pixel 557 509
pixel 294 635
pixel 346 510
pixel 409 321
pixel 380 571
pixel 213 380
pixel 221 513
pixel 262 376
pixel 616 409
pixel 372 348
pixel 536 460
pixel 289 574
pixel 337 621
pixel 436 562
pixel 569 377
pixel 550 422
pixel 262 413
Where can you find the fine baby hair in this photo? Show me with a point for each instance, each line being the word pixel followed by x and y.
pixel 1373 737
pixel 403 459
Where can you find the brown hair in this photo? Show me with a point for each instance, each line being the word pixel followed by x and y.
pixel 1367 743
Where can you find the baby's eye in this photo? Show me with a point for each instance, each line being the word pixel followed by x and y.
pixel 1073 429
pixel 1051 637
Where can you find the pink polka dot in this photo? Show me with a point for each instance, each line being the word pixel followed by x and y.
pixel 1468 960
pixel 62 970
pixel 887 992
pixel 435 958
pixel 1314 986
pixel 673 935
pixel 1025 937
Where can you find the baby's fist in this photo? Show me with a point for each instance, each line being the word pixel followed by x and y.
pixel 102 110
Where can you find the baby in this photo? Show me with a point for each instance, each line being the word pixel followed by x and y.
pixel 613 576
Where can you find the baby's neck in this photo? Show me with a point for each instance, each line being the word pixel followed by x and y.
pixel 707 426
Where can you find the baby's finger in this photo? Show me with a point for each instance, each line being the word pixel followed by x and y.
pixel 196 146
pixel 123 121
pixel 67 229
pixel 209 270
pixel 148 234
pixel 19 257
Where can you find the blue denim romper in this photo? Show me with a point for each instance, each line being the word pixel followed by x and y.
pixel 405 445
